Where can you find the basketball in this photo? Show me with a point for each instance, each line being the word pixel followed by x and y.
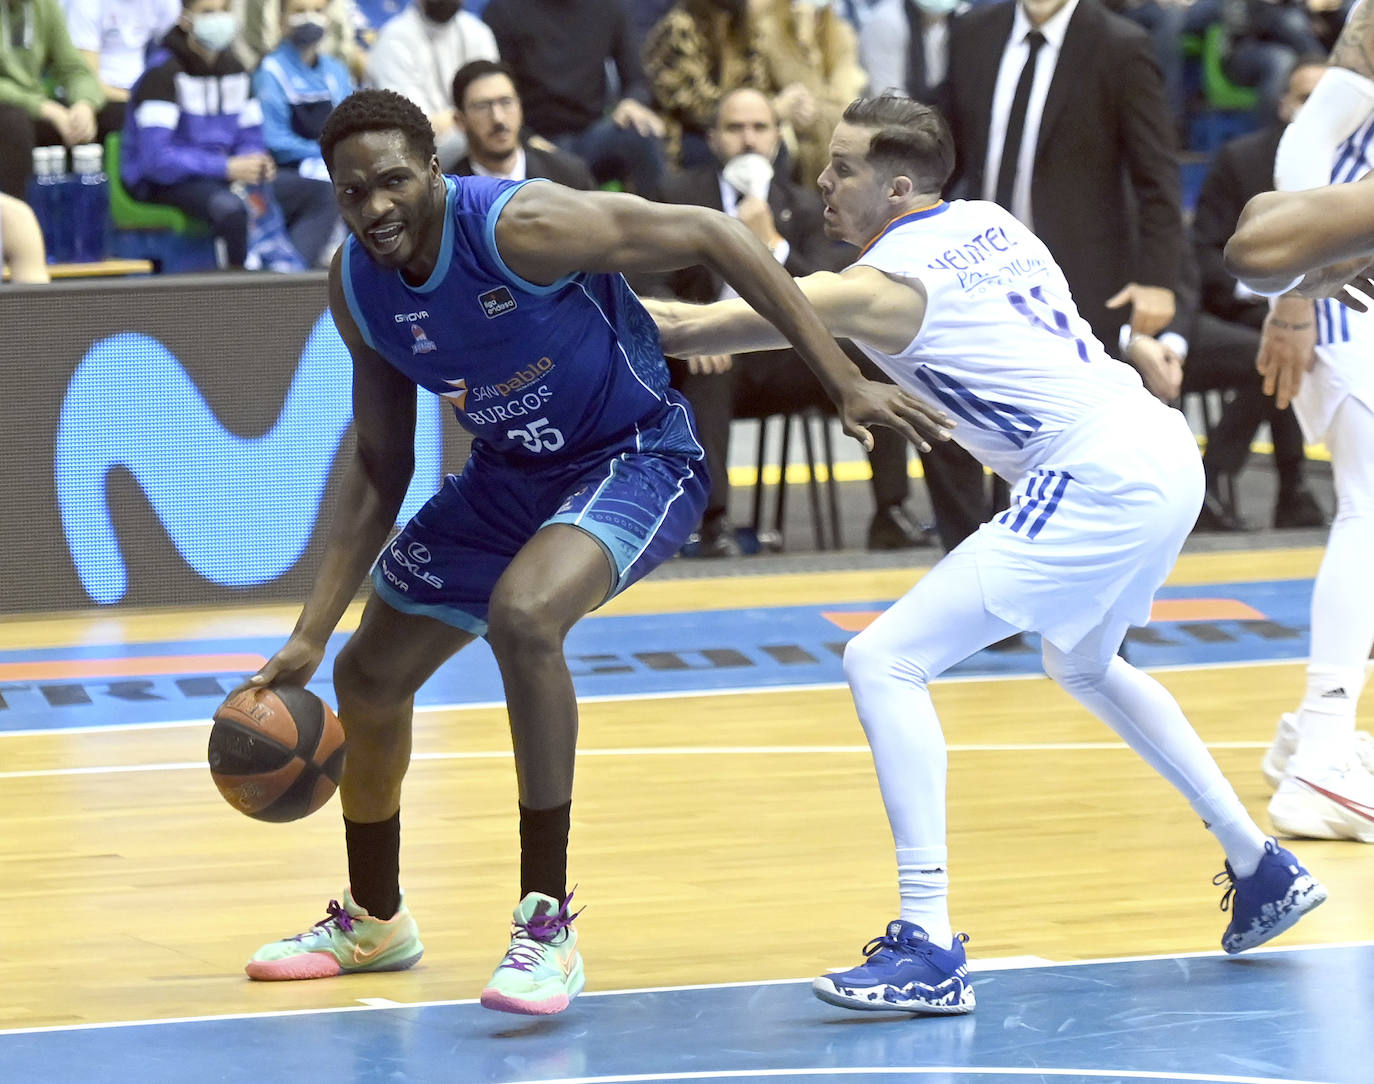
pixel 276 753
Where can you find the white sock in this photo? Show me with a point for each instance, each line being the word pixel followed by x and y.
pixel 1326 719
pixel 925 896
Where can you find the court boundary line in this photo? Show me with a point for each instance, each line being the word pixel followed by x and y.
pixel 1015 963
pixel 685 694
pixel 923 1070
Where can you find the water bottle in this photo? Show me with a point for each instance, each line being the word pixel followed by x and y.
pixel 39 192
pixel 61 238
pixel 91 206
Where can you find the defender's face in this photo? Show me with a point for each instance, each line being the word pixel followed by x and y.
pixel 856 205
pixel 492 115
pixel 387 195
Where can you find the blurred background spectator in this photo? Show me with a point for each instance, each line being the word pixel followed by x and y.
pixel 262 31
pixel 577 68
pixel 491 115
pixel 114 37
pixel 417 54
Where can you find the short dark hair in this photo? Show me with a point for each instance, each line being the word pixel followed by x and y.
pixel 909 138
pixel 377 111
pixel 474 70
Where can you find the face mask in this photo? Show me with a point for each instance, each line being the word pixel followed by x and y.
pixel 214 30
pixel 819 5
pixel 305 29
pixel 937 7
pixel 441 11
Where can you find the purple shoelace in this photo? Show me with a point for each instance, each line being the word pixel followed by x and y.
pixel 540 929
pixel 336 914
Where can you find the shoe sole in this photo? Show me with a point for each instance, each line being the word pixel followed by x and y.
pixel 828 993
pixel 1306 893
pixel 1308 814
pixel 317 965
pixel 498 1001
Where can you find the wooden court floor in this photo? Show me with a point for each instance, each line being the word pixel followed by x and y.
pixel 716 838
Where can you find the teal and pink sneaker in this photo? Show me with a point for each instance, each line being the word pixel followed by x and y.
pixel 542 970
pixel 346 940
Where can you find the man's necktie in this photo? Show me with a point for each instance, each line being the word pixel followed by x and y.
pixel 1016 122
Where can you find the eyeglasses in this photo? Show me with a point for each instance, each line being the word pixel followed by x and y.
pixel 492 105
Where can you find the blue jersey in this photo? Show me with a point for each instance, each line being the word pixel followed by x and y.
pixel 533 372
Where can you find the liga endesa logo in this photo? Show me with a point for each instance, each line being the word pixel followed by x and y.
pixel 239 510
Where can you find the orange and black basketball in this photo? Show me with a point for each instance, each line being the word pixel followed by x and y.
pixel 277 752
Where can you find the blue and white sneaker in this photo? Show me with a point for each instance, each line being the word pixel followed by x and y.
pixel 904 972
pixel 1269 901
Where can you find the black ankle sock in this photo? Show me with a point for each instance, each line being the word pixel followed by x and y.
pixel 544 851
pixel 374 864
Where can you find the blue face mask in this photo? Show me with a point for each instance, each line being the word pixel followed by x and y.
pixel 305 29
pixel 214 30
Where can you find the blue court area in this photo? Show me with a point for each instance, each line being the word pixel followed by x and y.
pixel 1282 1016
pixel 122 683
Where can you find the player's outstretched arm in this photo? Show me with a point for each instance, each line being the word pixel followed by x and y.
pixel 1283 237
pixel 860 303
pixel 375 477
pixel 546 232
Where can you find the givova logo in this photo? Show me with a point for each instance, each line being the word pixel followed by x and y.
pixel 131 404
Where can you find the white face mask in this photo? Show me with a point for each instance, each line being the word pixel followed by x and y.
pixel 214 30
pixel 937 7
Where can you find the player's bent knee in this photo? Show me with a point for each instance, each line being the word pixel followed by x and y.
pixel 360 683
pixel 1072 673
pixel 517 624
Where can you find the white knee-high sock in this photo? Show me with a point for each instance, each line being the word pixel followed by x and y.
pixel 1343 594
pixel 941 621
pixel 1150 721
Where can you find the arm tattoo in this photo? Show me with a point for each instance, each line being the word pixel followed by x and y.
pixel 1354 49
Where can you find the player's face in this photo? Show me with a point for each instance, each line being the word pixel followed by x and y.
pixel 390 198
pixel 492 116
pixel 856 198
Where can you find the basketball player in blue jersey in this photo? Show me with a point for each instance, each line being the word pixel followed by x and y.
pixel 503 298
pixel 961 304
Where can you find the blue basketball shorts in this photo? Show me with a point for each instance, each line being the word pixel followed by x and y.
pixel 640 498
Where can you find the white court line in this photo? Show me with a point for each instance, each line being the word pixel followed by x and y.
pixel 921 1070
pixel 649 751
pixel 1010 963
pixel 684 694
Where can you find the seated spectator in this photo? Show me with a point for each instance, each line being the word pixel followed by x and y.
pixel 490 113
pixel 194 131
pixel 1167 21
pixel 1265 39
pixel 114 37
pixel 695 55
pixel 418 53
pixel 21 242
pixel 787 218
pixel 812 52
pixel 262 32
pixel 1228 328
pixel 298 84
pixel 560 52
pixel 48 93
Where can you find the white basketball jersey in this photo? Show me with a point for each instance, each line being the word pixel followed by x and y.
pixel 1002 349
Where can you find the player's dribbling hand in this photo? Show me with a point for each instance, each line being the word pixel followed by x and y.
pixel 294 664
pixel 1338 281
pixel 868 402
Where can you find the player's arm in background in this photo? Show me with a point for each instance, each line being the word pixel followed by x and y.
pixel 859 303
pixel 375 477
pixel 1342 100
pixel 546 232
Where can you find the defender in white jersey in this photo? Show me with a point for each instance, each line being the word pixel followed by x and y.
pixel 1322 354
pixel 964 307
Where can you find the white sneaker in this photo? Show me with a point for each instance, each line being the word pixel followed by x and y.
pixel 1326 802
pixel 1285 744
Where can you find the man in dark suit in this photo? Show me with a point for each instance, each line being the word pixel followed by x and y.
pixel 1059 114
pixel 1231 317
pixel 489 112
pixel 787 219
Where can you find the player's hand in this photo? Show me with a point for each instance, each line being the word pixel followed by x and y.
pixel 629 113
pixel 1287 348
pixel 1338 281
pixel 1152 307
pixel 868 402
pixel 710 363
pixel 294 664
pixel 1160 367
